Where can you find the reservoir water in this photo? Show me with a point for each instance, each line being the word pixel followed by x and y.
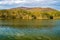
pixel 29 29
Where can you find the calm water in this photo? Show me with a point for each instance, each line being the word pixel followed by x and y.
pixel 29 29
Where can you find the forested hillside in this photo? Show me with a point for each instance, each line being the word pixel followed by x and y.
pixel 29 13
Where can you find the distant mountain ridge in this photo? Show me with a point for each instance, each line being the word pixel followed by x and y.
pixel 35 8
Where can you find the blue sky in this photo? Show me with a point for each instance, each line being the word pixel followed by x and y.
pixel 6 4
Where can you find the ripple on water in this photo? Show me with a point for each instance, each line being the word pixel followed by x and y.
pixel 10 33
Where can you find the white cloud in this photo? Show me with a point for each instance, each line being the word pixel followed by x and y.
pixel 27 1
pixel 12 1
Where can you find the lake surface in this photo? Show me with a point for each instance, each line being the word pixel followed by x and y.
pixel 29 29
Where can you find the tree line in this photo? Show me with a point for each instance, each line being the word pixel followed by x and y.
pixel 20 13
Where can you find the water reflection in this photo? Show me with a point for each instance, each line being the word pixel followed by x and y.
pixel 33 30
pixel 27 23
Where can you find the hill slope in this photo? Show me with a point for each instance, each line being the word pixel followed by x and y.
pixel 29 13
